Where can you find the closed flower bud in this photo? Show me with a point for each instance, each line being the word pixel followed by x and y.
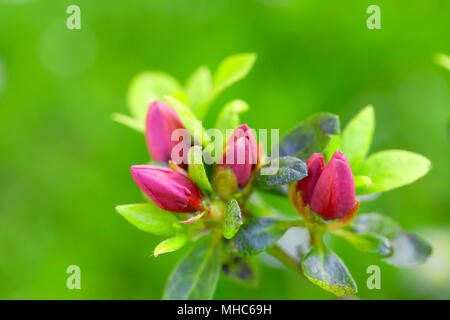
pixel 162 120
pixel 241 154
pixel 329 189
pixel 316 164
pixel 170 190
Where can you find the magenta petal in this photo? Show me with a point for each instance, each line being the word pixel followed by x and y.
pixel 316 164
pixel 161 121
pixel 244 131
pixel 170 190
pixel 238 159
pixel 241 154
pixel 334 192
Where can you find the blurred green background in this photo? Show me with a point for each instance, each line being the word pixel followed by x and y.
pixel 64 163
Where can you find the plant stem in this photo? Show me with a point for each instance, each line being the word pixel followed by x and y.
pixel 279 254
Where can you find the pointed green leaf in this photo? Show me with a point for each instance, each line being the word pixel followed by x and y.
pixel 290 169
pixel 333 146
pixel 129 122
pixel 199 91
pixel 367 242
pixel 391 169
pixel 196 169
pixel 357 135
pixel 375 223
pixel 149 217
pixel 170 245
pixel 229 116
pixel 181 96
pixel 233 219
pixel 409 250
pixel 233 69
pixel 244 271
pixel 362 181
pixel 196 275
pixel 256 235
pixel 312 135
pixel 147 87
pixel 326 270
pixel 189 121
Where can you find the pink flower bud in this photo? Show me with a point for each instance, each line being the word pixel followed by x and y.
pixel 330 189
pixel 162 120
pixel 316 164
pixel 170 190
pixel 241 154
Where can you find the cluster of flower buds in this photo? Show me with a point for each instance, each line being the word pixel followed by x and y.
pixel 329 189
pixel 174 191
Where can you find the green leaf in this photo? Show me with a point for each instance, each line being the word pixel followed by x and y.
pixel 326 270
pixel 367 242
pixel 189 121
pixel 357 135
pixel 290 169
pixel 312 135
pixel 256 235
pixel 392 169
pixel 149 217
pixel 333 146
pixel 170 245
pixel 280 190
pixel 260 208
pixel 229 116
pixel 181 96
pixel 409 249
pixel 362 181
pixel 232 69
pixel 376 223
pixel 196 275
pixel 129 122
pixel 244 271
pixel 233 219
pixel 147 87
pixel 199 90
pixel 196 169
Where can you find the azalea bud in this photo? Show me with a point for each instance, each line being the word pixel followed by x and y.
pixel 241 154
pixel 225 183
pixel 162 120
pixel 329 189
pixel 170 190
pixel 316 164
